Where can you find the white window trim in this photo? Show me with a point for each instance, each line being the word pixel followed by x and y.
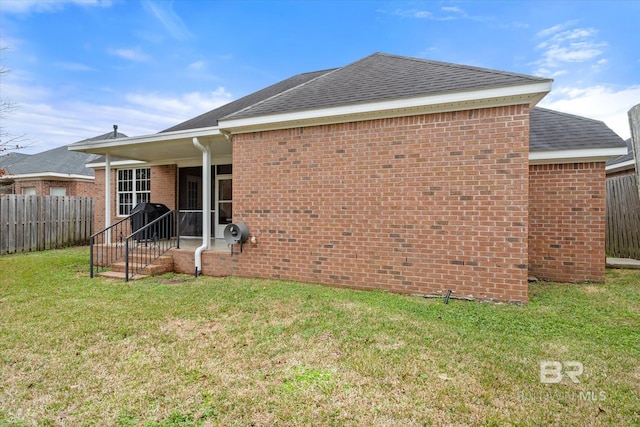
pixel 133 191
pixel 55 189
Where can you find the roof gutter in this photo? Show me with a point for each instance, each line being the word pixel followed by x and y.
pixel 529 94
pixel 575 156
pixel 56 175
pixel 97 165
pixel 99 147
pixel 616 167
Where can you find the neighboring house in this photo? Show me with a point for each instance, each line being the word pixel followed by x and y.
pixel 6 160
pixel 392 173
pixel 55 172
pixel 623 165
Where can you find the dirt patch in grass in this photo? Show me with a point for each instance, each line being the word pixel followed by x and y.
pixel 592 289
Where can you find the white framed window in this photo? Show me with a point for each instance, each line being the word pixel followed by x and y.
pixel 29 191
pixel 57 191
pixel 134 186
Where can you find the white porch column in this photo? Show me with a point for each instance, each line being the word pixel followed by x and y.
pixel 107 194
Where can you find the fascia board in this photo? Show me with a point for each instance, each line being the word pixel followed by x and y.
pixel 116 163
pixel 621 166
pixel 531 94
pixel 57 175
pixel 156 137
pixel 575 156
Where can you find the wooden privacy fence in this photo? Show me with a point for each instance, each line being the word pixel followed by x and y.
pixel 623 217
pixel 35 223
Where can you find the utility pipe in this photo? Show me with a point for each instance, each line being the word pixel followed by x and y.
pixel 107 195
pixel 206 203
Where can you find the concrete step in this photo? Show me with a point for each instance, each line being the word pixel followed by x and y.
pixel 163 264
pixel 623 263
pixel 120 275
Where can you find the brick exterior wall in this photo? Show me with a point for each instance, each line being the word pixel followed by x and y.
pixel 214 263
pixel 164 184
pixel 98 201
pixel 43 187
pixel 567 222
pixel 416 205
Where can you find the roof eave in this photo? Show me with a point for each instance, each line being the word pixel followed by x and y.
pixel 493 97
pixel 100 147
pixel 585 155
pixel 617 167
pixel 53 175
pixel 116 163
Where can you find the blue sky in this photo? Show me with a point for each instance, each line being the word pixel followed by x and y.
pixel 80 66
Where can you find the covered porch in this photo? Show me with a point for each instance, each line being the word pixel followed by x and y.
pixel 190 171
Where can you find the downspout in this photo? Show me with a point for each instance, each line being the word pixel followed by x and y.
pixel 206 203
pixel 107 195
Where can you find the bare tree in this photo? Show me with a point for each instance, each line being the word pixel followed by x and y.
pixel 8 141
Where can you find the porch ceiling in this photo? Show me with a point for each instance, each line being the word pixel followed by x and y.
pixel 159 148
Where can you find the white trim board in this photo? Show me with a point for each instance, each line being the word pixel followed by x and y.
pixel 156 137
pixel 496 97
pixel 629 164
pixel 575 156
pixel 55 175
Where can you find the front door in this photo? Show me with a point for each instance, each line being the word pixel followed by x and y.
pixel 224 213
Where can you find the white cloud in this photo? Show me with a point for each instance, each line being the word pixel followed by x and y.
pixel 73 66
pixel 164 13
pixel 50 122
pixel 131 54
pixel 413 13
pixel 27 6
pixel 18 87
pixel 446 13
pixel 563 45
pixel 187 105
pixel 600 102
pixel 576 52
pixel 452 9
pixel 198 65
pixel 554 29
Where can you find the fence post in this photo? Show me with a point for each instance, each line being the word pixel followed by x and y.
pixel 634 123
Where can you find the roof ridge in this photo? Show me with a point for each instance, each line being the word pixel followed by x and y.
pixel 381 76
pixel 457 66
pixel 328 71
pixel 234 106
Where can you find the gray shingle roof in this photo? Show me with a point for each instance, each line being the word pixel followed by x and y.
pixel 552 130
pixel 625 158
pixel 211 118
pixel 59 160
pixel 381 77
pixel 9 159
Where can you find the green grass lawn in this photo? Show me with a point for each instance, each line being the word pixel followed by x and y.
pixel 176 350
